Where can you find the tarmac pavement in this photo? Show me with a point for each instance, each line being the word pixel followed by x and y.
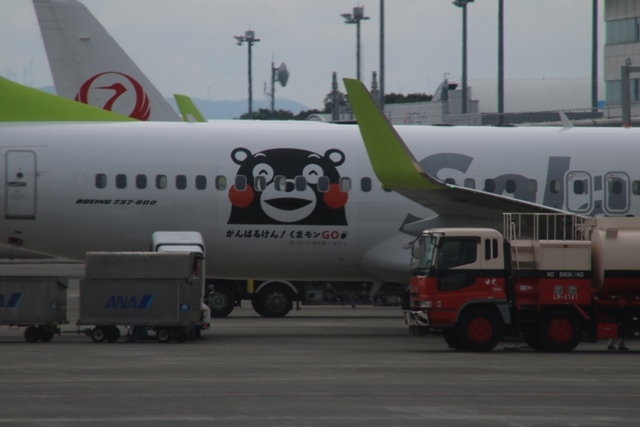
pixel 321 366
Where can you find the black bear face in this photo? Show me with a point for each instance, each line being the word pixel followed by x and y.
pixel 288 186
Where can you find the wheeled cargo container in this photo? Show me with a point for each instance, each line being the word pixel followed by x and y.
pixel 39 303
pixel 158 291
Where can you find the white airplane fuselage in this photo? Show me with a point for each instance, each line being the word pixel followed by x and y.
pixel 66 189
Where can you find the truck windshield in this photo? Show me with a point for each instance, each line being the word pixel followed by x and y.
pixel 422 255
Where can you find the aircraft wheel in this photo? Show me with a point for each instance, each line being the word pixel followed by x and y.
pixel 221 301
pixel 255 303
pixel 275 301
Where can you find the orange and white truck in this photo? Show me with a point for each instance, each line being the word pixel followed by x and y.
pixel 550 279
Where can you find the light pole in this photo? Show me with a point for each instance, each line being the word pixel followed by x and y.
pixel 500 62
pixel 249 38
pixel 463 5
pixel 355 18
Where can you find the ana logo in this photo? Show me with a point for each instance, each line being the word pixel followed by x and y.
pixel 126 301
pixel 11 302
pixel 287 186
pixel 120 91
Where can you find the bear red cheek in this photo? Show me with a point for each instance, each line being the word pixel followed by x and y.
pixel 241 199
pixel 334 198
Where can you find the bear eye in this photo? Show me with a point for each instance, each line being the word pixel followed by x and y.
pixel 312 172
pixel 263 170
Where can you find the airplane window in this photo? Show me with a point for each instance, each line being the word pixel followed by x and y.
pixel 101 180
pixel 241 183
pixel 470 183
pixel 345 184
pixel 510 186
pixel 532 186
pixel 635 187
pixel 221 182
pixel 616 187
pixel 450 181
pixel 181 182
pixel 121 180
pixel 365 184
pixel 554 186
pixel 578 187
pixel 280 183
pixel 323 184
pixel 141 181
pixel 201 182
pixel 161 182
pixel 489 185
pixel 300 183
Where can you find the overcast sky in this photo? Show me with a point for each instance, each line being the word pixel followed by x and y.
pixel 187 46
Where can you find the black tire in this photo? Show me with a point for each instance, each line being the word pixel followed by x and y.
pixel 112 333
pixel 449 336
pixel 558 331
pixel 478 330
pixel 255 303
pixel 31 334
pixel 275 301
pixel 45 334
pixel 221 301
pixel 163 335
pixel 98 334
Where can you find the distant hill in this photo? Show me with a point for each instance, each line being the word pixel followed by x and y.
pixel 234 109
pixel 227 109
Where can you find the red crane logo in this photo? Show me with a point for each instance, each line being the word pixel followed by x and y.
pixel 141 109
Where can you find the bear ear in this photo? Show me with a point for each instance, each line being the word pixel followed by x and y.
pixel 239 155
pixel 335 156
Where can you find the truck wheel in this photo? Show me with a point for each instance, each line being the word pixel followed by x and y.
pixel 45 334
pixel 478 330
pixel 112 333
pixel 163 335
pixel 275 301
pixel 558 331
pixel 31 334
pixel 98 334
pixel 221 302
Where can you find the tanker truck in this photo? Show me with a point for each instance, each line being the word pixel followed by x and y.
pixel 548 279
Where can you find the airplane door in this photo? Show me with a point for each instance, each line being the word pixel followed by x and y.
pixel 20 185
pixel 578 192
pixel 616 193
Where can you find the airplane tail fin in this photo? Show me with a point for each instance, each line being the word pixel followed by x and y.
pixel 188 109
pixel 20 103
pixel 89 66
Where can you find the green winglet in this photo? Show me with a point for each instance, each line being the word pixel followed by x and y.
pixel 392 161
pixel 188 109
pixel 20 103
